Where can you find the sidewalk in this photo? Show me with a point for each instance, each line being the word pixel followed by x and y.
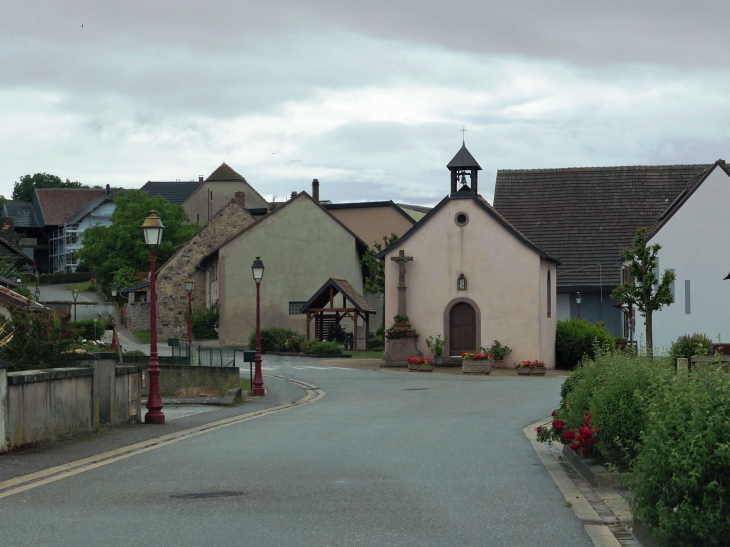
pixel 37 458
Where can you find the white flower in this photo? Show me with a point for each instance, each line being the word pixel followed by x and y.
pixel 83 341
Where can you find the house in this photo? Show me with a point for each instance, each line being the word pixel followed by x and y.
pixel 587 216
pixel 8 246
pixel 372 220
pixel 302 245
pixel 176 192
pixel 10 299
pixel 466 273
pixel 223 185
pixel 693 233
pixel 172 297
pixel 50 231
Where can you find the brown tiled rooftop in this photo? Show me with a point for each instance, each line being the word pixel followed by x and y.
pixel 58 204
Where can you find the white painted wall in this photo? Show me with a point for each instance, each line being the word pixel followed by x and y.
pixel 696 245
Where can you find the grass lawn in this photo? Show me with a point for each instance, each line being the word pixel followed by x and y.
pixel 84 286
pixel 245 383
pixel 371 354
pixel 143 336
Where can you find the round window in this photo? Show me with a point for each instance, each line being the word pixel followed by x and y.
pixel 462 219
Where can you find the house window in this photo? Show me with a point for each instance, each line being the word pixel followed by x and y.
pixel 214 272
pixel 461 219
pixel 686 296
pixel 461 283
pixel 549 295
pixel 295 308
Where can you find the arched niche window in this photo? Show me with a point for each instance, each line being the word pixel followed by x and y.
pixel 461 283
pixel 549 295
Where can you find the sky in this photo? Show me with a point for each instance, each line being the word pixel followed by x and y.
pixel 368 97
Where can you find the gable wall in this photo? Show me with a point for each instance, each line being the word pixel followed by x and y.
pixel 372 223
pixel 301 247
pixel 504 278
pixel 696 244
pixel 196 205
pixel 172 297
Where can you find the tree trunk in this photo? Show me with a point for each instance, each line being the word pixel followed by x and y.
pixel 649 337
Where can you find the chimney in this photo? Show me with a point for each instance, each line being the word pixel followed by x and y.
pixel 240 197
pixel 315 190
pixel 200 178
pixel 108 190
pixel 721 162
pixel 293 195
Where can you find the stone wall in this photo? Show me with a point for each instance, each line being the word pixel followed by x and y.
pixel 190 381
pixel 137 316
pixel 52 404
pixel 172 298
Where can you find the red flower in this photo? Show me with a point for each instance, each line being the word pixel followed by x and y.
pixel 555 413
pixel 539 429
pixel 558 426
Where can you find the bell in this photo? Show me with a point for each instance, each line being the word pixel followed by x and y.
pixel 463 179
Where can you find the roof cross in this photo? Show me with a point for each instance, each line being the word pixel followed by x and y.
pixel 463 134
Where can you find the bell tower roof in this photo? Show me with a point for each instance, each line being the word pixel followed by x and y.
pixel 463 160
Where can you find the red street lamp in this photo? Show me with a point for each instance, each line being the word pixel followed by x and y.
pixel 258 380
pixel 578 299
pixel 189 286
pixel 75 294
pixel 152 228
pixel 111 318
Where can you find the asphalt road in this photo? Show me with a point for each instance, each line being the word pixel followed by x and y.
pixel 384 459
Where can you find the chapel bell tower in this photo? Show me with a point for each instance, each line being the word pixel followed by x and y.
pixel 462 165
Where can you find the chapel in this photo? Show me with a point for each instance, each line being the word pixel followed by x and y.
pixel 465 273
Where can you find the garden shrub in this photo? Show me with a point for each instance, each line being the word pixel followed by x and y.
pixel 376 342
pixel 39 340
pixel 205 322
pixel 90 329
pixel 322 348
pixel 681 487
pixel 272 339
pixel 294 342
pixel 134 353
pixel 688 346
pixel 576 338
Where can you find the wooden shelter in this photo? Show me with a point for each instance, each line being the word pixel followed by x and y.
pixel 321 308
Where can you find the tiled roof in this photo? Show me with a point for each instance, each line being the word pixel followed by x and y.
pixel 8 248
pixel 321 298
pixel 175 192
pixel 58 204
pixel 11 298
pixel 587 216
pixel 463 159
pixel 22 213
pixel 93 204
pixel 224 172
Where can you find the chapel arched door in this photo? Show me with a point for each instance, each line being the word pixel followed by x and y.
pixel 462 324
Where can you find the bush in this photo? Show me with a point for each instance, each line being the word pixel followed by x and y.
pixel 134 353
pixel 272 339
pixel 39 340
pixel 90 329
pixel 322 348
pixel 681 487
pixel 63 278
pixel 376 342
pixel 294 342
pixel 688 346
pixel 205 322
pixel 576 338
pixel 615 390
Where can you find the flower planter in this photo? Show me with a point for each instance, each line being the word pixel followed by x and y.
pixel 498 364
pixel 523 371
pixel 401 324
pixel 471 366
pixel 438 360
pixel 421 367
pixel 538 371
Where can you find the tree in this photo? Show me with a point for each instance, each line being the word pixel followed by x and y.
pixel 107 249
pixel 24 188
pixel 375 281
pixel 644 290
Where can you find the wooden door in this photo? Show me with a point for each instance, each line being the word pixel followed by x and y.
pixel 462 322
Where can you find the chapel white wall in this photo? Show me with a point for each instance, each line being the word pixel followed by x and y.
pixel 503 275
pixel 696 243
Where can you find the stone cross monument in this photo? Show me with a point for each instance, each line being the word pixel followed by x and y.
pixel 401 260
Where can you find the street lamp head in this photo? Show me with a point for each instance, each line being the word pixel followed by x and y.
pixel 115 289
pixel 258 270
pixel 189 284
pixel 578 298
pixel 37 295
pixel 75 293
pixel 152 228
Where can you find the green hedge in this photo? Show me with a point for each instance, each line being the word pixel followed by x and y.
pixel 63 278
pixel 577 338
pixel 272 339
pixel 682 474
pixel 688 346
pixel 90 329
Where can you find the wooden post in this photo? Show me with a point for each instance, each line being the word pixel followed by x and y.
pixel 354 334
pixel 309 318
pixel 367 331
pixel 332 297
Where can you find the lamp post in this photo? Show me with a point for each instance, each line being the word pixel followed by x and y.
pixel 115 289
pixel 189 286
pixel 152 228
pixel 578 299
pixel 37 295
pixel 258 380
pixel 75 294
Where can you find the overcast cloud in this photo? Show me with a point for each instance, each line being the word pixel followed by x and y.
pixel 368 96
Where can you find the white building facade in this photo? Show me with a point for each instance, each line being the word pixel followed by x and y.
pixel 694 234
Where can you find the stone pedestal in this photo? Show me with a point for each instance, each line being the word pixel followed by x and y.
pixel 481 366
pixel 398 350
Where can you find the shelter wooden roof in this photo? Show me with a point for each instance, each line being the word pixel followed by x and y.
pixel 321 298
